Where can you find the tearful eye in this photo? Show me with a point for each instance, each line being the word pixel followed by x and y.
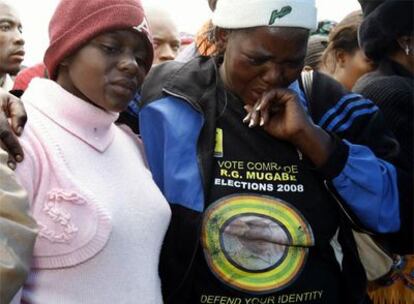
pixel 110 49
pixel 256 61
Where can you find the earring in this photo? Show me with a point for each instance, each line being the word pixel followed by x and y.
pixel 407 50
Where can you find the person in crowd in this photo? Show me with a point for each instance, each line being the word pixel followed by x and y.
pixel 165 34
pixel 266 186
pixel 249 165
pixel 101 217
pixel 185 40
pixel 343 59
pixel 316 46
pixel 202 44
pixel 17 232
pixel 324 27
pixel 387 37
pixel 11 44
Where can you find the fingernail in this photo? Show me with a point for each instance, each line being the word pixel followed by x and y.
pixel 259 107
pixel 19 158
pixel 246 119
pixel 251 124
pixel 261 121
pixel 11 165
pixel 19 130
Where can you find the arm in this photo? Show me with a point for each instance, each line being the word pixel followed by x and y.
pixel 366 182
pixel 17 233
pixel 11 108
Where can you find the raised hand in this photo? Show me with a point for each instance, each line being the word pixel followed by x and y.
pixel 281 114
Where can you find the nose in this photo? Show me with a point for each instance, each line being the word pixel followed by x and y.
pixel 128 64
pixel 166 53
pixel 18 37
pixel 273 75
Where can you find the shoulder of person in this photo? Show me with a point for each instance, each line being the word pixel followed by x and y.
pixel 385 88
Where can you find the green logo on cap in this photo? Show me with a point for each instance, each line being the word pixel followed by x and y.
pixel 286 10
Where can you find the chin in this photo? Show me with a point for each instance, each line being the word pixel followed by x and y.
pixel 13 70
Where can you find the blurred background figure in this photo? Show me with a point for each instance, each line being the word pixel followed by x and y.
pixel 11 45
pixel 202 43
pixel 343 59
pixel 316 46
pixel 324 27
pixel 387 37
pixel 23 78
pixel 185 39
pixel 166 37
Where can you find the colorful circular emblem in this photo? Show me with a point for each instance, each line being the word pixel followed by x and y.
pixel 256 244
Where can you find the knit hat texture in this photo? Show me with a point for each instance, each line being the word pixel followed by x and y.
pixel 75 22
pixel 381 27
pixel 234 14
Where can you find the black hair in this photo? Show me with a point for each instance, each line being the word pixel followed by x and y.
pixel 382 27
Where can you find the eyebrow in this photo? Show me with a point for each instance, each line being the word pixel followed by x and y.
pixel 11 21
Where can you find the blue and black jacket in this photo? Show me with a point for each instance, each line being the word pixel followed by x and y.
pixel 177 123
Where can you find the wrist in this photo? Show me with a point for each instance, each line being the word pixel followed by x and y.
pixel 316 144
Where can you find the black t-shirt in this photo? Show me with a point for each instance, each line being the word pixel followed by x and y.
pixel 266 232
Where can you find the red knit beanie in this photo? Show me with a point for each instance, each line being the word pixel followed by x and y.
pixel 75 22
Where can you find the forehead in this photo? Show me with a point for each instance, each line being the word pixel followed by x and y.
pixel 271 39
pixel 132 37
pixel 164 28
pixel 7 13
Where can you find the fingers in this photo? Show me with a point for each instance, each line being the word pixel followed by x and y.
pixel 10 142
pixel 270 103
pixel 17 114
pixel 253 116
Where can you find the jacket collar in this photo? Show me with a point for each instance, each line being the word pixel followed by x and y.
pixel 193 79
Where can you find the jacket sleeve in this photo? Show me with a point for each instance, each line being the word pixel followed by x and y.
pixel 361 167
pixel 17 233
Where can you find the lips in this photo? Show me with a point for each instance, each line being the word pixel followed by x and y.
pixel 19 55
pixel 126 84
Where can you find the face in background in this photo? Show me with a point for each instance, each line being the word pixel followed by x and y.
pixel 259 59
pixel 11 40
pixel 107 71
pixel 166 38
pixel 351 66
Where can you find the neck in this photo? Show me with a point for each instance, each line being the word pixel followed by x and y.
pixel 407 61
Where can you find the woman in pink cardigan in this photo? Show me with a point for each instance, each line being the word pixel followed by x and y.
pixel 101 218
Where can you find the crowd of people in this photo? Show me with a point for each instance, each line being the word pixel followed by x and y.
pixel 134 169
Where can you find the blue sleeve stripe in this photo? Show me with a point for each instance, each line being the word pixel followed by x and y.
pixel 355 115
pixel 365 104
pixel 337 107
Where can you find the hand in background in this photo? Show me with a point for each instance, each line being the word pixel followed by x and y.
pixel 12 120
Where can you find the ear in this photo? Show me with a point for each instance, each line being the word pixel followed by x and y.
pixel 221 37
pixel 406 43
pixel 64 62
pixel 340 58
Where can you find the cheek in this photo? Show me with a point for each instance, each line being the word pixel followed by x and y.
pixel 89 79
